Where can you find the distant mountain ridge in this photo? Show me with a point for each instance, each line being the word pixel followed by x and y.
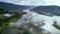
pixel 9 6
pixel 47 9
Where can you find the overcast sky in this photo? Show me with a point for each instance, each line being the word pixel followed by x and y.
pixel 34 2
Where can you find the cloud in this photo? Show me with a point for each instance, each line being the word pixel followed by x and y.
pixel 34 2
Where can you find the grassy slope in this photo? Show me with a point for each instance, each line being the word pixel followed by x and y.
pixel 4 22
pixel 56 26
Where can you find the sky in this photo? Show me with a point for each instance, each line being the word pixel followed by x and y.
pixel 34 2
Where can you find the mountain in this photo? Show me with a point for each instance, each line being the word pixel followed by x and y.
pixel 47 9
pixel 14 7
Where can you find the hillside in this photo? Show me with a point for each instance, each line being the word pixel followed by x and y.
pixel 47 9
pixel 7 17
pixel 14 7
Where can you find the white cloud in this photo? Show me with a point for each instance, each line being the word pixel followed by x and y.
pixel 34 2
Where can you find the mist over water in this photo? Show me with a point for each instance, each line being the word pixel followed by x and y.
pixel 48 20
pixel 41 21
